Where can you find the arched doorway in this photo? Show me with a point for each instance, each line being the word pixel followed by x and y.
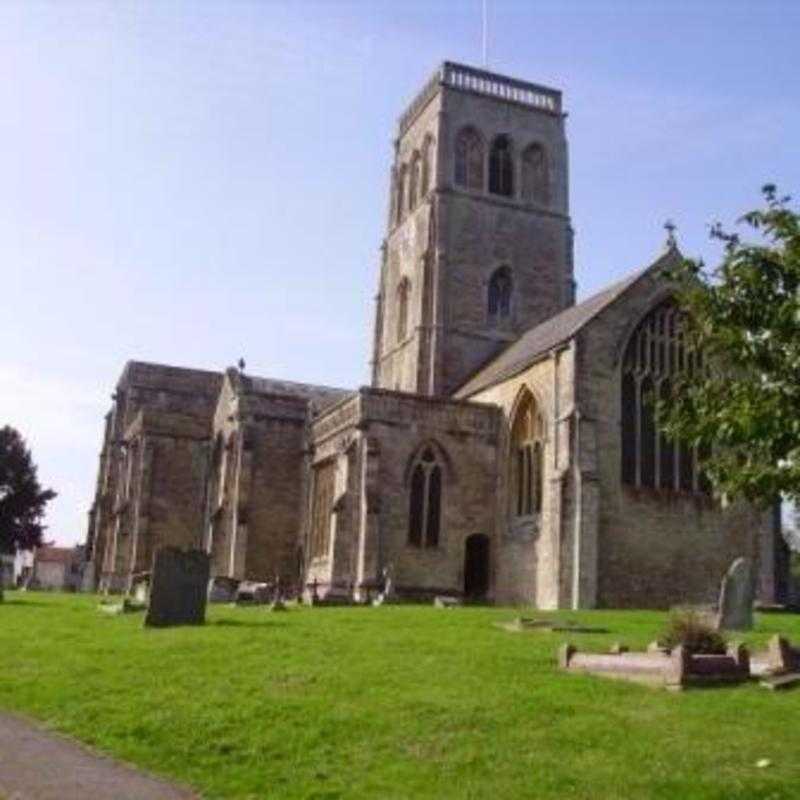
pixel 476 566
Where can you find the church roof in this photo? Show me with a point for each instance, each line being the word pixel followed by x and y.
pixel 320 396
pixel 541 338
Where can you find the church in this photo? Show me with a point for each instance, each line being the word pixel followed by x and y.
pixel 507 448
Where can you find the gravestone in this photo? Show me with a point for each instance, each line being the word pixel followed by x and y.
pixel 736 597
pixel 178 588
pixel 222 589
pixel 387 587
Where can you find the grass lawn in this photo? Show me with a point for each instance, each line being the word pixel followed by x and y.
pixel 391 702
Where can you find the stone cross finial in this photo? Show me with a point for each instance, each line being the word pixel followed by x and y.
pixel 670 227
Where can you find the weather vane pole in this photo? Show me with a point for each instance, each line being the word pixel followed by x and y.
pixel 485 37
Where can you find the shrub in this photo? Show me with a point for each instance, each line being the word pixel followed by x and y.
pixel 693 630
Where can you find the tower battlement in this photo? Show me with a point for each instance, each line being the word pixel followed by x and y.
pixel 462 77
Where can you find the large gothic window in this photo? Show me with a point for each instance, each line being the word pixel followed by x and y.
pixel 403 292
pixel 500 286
pixel 501 167
pixel 324 478
pixel 469 159
pixel 535 175
pixel 527 459
pixel 655 354
pixel 425 509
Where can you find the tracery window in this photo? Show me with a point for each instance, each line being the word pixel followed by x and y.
pixel 425 180
pixel 403 292
pixel 469 159
pixel 499 301
pixel 655 355
pixel 527 459
pixel 535 175
pixel 501 167
pixel 425 509
pixel 322 508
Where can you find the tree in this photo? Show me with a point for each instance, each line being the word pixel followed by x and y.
pixel 739 402
pixel 22 499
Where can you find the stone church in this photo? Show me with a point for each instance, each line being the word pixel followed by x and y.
pixel 506 448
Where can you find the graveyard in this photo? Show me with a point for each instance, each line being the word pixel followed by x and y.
pixel 394 701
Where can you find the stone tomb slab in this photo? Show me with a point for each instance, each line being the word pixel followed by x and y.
pixel 677 670
pixel 179 588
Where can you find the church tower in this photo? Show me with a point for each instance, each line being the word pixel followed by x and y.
pixel 479 243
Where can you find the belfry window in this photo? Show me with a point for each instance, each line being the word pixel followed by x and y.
pixel 425 509
pixel 469 159
pixel 425 180
pixel 324 479
pixel 535 175
pixel 414 181
pixel 499 301
pixel 527 459
pixel 403 291
pixel 401 194
pixel 655 355
pixel 501 167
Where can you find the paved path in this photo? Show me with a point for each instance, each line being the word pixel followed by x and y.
pixel 38 765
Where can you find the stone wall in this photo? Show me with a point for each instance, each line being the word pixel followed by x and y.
pixel 374 438
pixel 183 397
pixel 530 551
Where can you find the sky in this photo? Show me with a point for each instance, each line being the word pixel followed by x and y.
pixel 195 182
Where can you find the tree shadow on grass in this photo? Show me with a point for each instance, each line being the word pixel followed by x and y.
pixel 239 623
pixel 19 601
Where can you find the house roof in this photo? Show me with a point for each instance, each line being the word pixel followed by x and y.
pixel 58 555
pixel 544 337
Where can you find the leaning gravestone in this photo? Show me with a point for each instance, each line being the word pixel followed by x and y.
pixel 736 597
pixel 178 588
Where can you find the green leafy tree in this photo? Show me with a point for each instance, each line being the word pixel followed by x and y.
pixel 22 499
pixel 740 402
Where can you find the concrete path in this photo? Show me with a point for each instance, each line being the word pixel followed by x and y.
pixel 38 765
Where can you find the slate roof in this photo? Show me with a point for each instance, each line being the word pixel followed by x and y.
pixel 543 337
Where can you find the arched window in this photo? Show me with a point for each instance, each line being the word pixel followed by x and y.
pixel 425 509
pixel 425 181
pixel 414 181
pixel 535 175
pixel 500 286
pixel 401 194
pixel 469 159
pixel 501 167
pixel 403 291
pixel 527 459
pixel 655 354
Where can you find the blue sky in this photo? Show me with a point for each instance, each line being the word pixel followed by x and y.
pixel 195 182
